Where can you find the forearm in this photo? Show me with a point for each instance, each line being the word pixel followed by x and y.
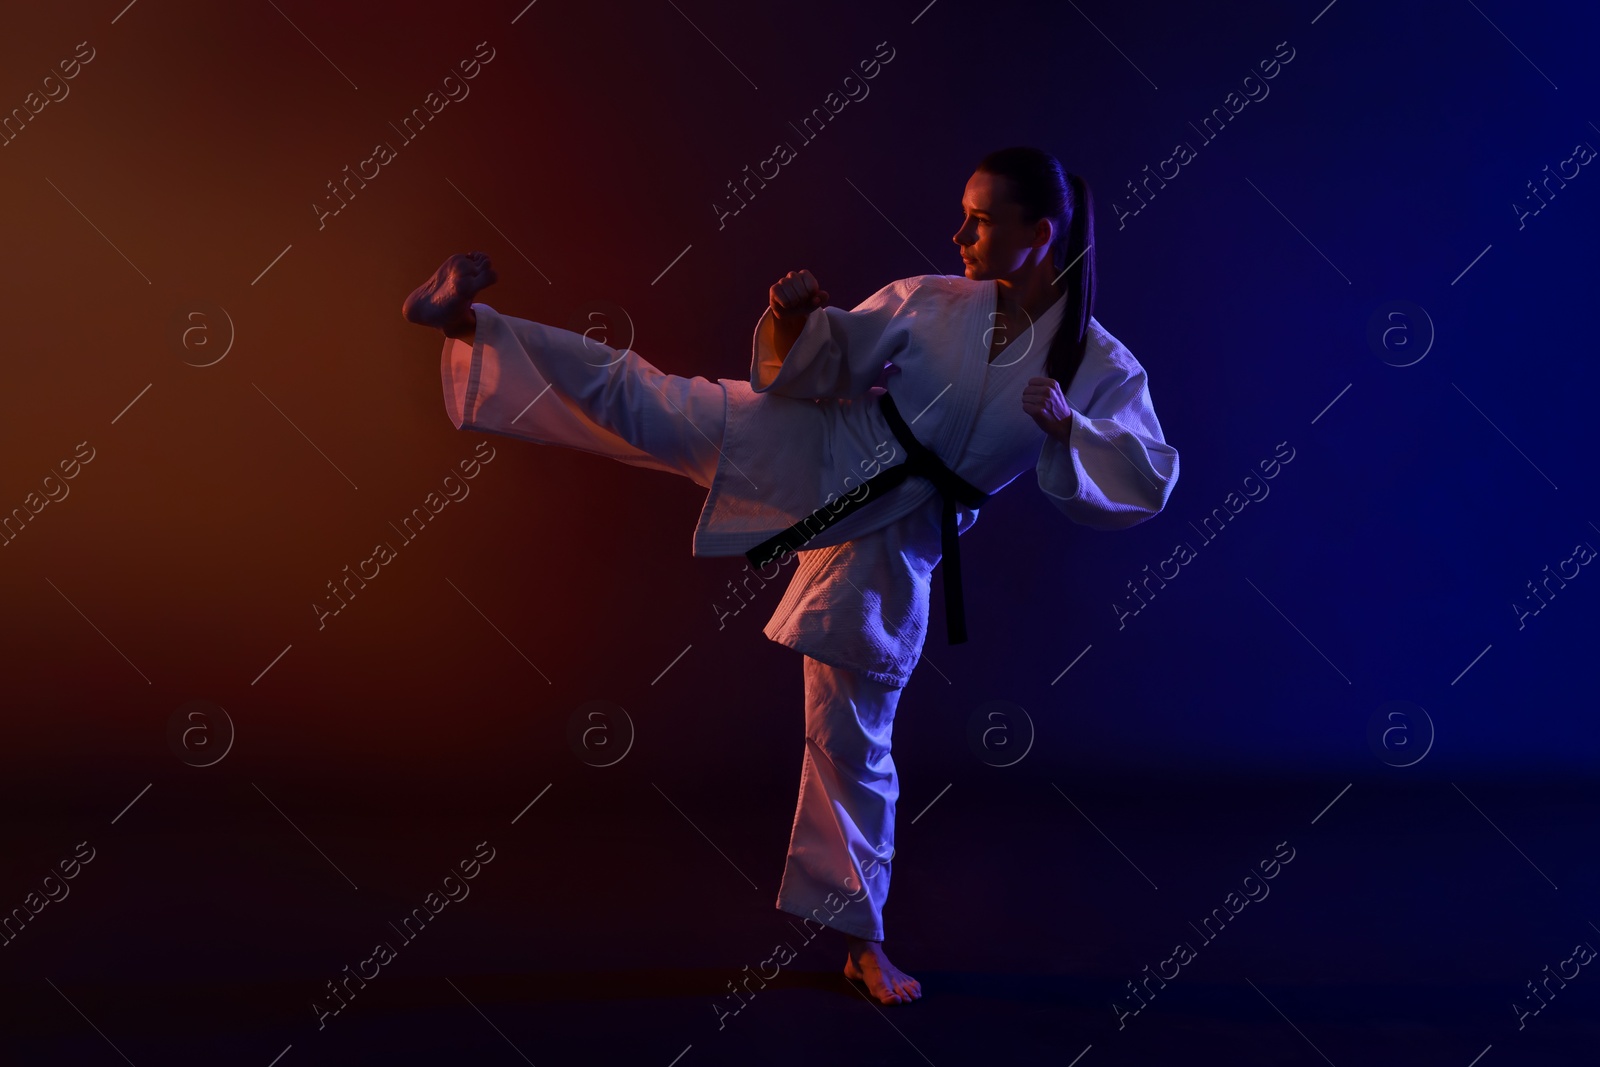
pixel 785 332
pixel 826 352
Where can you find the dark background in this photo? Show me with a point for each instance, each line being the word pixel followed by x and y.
pixel 1382 167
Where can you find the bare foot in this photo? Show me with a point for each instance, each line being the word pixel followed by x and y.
pixel 865 962
pixel 444 301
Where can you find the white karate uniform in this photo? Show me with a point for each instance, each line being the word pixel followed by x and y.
pixel 803 431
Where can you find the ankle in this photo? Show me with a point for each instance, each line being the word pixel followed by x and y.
pixel 464 328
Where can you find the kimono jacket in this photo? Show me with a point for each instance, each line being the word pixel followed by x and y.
pixel 804 430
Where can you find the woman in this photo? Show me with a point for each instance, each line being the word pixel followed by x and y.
pixel 975 363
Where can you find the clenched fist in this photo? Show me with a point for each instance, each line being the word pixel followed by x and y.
pixel 796 295
pixel 1042 399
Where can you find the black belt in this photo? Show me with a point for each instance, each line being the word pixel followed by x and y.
pixel 920 460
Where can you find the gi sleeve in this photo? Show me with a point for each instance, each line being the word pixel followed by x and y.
pixel 493 386
pixel 1116 469
pixel 839 354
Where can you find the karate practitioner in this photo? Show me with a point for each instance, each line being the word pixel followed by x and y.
pixel 987 375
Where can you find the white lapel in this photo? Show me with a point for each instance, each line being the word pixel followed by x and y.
pixel 940 401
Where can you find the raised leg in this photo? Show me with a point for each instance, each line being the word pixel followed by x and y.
pixel 676 420
pixel 521 378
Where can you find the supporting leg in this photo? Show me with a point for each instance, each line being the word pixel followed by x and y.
pixel 842 841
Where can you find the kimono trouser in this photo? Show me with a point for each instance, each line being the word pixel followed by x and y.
pixel 842 840
pixel 837 870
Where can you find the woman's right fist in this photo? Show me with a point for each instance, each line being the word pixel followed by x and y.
pixel 796 295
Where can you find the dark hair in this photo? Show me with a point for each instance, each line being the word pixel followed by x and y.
pixel 1044 190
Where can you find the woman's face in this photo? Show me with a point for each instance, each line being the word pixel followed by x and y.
pixel 993 240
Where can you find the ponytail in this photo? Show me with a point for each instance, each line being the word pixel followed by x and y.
pixel 1074 253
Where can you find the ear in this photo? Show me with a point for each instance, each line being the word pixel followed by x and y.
pixel 1044 234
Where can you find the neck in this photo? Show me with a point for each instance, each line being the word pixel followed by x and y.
pixel 1031 290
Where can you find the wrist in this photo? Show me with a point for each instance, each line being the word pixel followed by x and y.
pixel 785 332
